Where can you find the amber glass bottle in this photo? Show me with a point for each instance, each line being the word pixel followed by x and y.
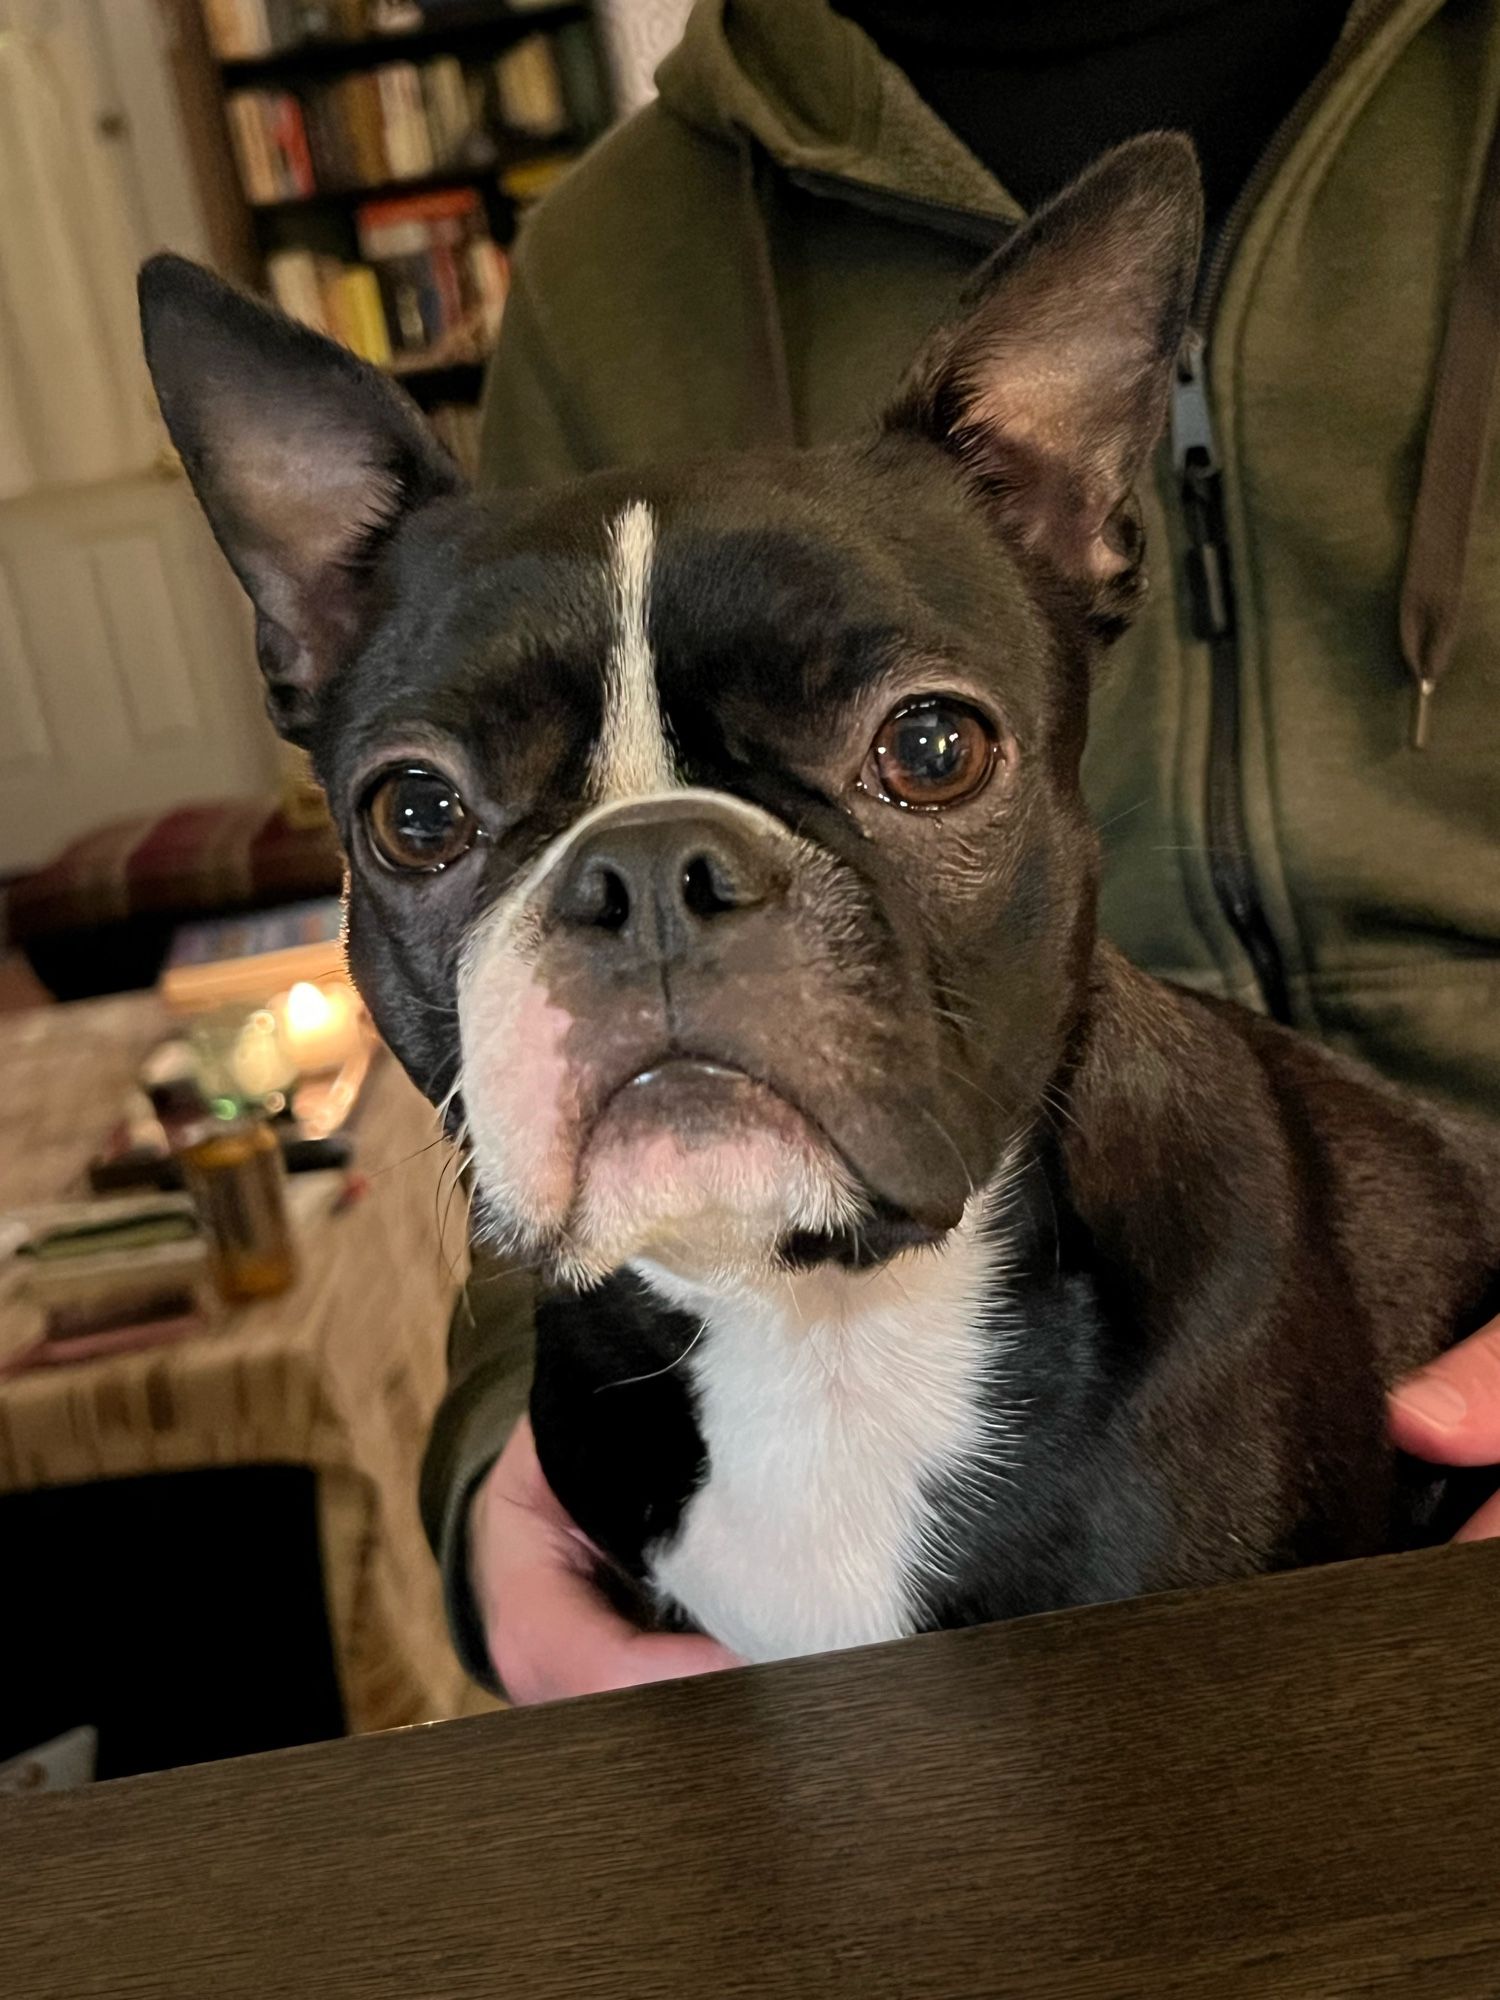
pixel 234 1172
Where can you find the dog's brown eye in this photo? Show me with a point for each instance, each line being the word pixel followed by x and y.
pixel 930 754
pixel 418 821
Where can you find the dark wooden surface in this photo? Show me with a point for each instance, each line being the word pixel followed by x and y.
pixel 1287 1788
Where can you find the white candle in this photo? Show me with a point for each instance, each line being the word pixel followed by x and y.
pixel 319 1025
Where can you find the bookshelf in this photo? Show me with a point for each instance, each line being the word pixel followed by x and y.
pixel 386 153
pixel 459 31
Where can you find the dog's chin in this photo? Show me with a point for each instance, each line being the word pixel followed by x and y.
pixel 704 1172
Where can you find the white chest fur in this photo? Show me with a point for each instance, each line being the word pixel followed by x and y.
pixel 832 1405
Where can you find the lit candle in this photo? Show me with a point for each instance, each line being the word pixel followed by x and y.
pixel 319 1025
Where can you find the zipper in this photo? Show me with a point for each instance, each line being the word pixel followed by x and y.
pixel 1210 580
pixel 1210 572
pixel 1366 18
pixel 1200 488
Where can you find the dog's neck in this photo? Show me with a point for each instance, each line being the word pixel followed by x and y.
pixel 831 1403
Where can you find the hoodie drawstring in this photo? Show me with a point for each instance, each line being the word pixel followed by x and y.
pixel 772 418
pixel 1454 458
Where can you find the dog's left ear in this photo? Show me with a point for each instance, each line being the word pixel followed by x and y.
pixel 1053 388
pixel 303 458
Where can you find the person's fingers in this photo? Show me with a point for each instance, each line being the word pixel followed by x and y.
pixel 1484 1524
pixel 551 1632
pixel 1449 1412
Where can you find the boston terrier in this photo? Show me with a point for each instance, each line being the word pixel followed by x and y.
pixel 718 865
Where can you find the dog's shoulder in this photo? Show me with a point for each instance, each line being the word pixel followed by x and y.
pixel 1247 1133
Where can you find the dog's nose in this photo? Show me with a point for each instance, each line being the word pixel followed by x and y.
pixel 666 875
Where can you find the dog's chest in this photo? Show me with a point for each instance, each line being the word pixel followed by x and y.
pixel 840 1415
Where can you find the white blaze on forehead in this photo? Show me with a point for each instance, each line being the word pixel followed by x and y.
pixel 633 757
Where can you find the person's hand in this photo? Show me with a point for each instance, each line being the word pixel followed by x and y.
pixel 550 1630
pixel 1449 1413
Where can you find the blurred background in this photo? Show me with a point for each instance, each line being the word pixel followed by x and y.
pixel 228 1244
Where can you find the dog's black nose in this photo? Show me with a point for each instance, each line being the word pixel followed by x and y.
pixel 661 875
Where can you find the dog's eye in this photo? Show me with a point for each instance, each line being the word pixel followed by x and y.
pixel 418 821
pixel 930 754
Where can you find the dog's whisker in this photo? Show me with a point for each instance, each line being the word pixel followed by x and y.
pixel 655 1374
pixel 944 1134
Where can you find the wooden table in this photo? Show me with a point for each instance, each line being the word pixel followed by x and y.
pixel 1288 1788
pixel 340 1374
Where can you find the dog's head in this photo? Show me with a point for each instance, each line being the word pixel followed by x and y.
pixel 715 831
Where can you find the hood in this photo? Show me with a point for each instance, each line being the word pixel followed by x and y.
pixel 815 94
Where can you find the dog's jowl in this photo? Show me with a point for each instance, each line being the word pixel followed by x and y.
pixel 718 862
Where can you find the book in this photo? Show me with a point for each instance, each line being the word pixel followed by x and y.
pixel 330 138
pixel 489 283
pixel 357 102
pixel 270 145
pixel 407 141
pixel 529 180
pixel 529 90
pixel 441 275
pixel 576 55
pixel 412 222
pixel 457 428
pixel 358 316
pixel 445 101
pixel 252 150
pixel 298 279
pixel 237 30
pixel 287 137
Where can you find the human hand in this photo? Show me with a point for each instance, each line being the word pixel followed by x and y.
pixel 549 1628
pixel 1449 1413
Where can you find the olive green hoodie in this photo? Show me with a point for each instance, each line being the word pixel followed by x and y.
pixel 755 258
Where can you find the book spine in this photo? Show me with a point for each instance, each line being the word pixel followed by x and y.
pixel 529 90
pixel 489 282
pixel 408 146
pixel 332 167
pixel 582 84
pixel 224 26
pixel 297 287
pixel 358 100
pixel 361 315
pixel 447 103
pixel 252 154
pixel 288 138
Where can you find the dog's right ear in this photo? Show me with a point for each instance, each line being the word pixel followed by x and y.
pixel 304 460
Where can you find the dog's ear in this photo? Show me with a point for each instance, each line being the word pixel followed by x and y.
pixel 303 458
pixel 1052 388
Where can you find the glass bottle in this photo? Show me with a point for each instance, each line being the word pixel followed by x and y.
pixel 233 1168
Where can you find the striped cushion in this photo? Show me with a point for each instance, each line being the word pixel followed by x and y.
pixel 241 854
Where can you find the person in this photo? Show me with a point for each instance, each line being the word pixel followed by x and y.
pixel 1291 752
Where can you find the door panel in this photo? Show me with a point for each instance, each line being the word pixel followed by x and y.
pixel 127 676
pixel 24 736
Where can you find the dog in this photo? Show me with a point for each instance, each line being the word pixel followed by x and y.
pixel 718 865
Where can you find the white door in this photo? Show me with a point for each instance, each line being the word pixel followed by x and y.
pixel 127 677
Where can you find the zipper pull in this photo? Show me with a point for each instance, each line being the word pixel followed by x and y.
pixel 1423 690
pixel 1195 455
pixel 1192 420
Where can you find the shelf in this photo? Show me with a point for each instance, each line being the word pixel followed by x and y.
pixel 442 382
pixel 453 177
pixel 466 33
pixel 449 177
